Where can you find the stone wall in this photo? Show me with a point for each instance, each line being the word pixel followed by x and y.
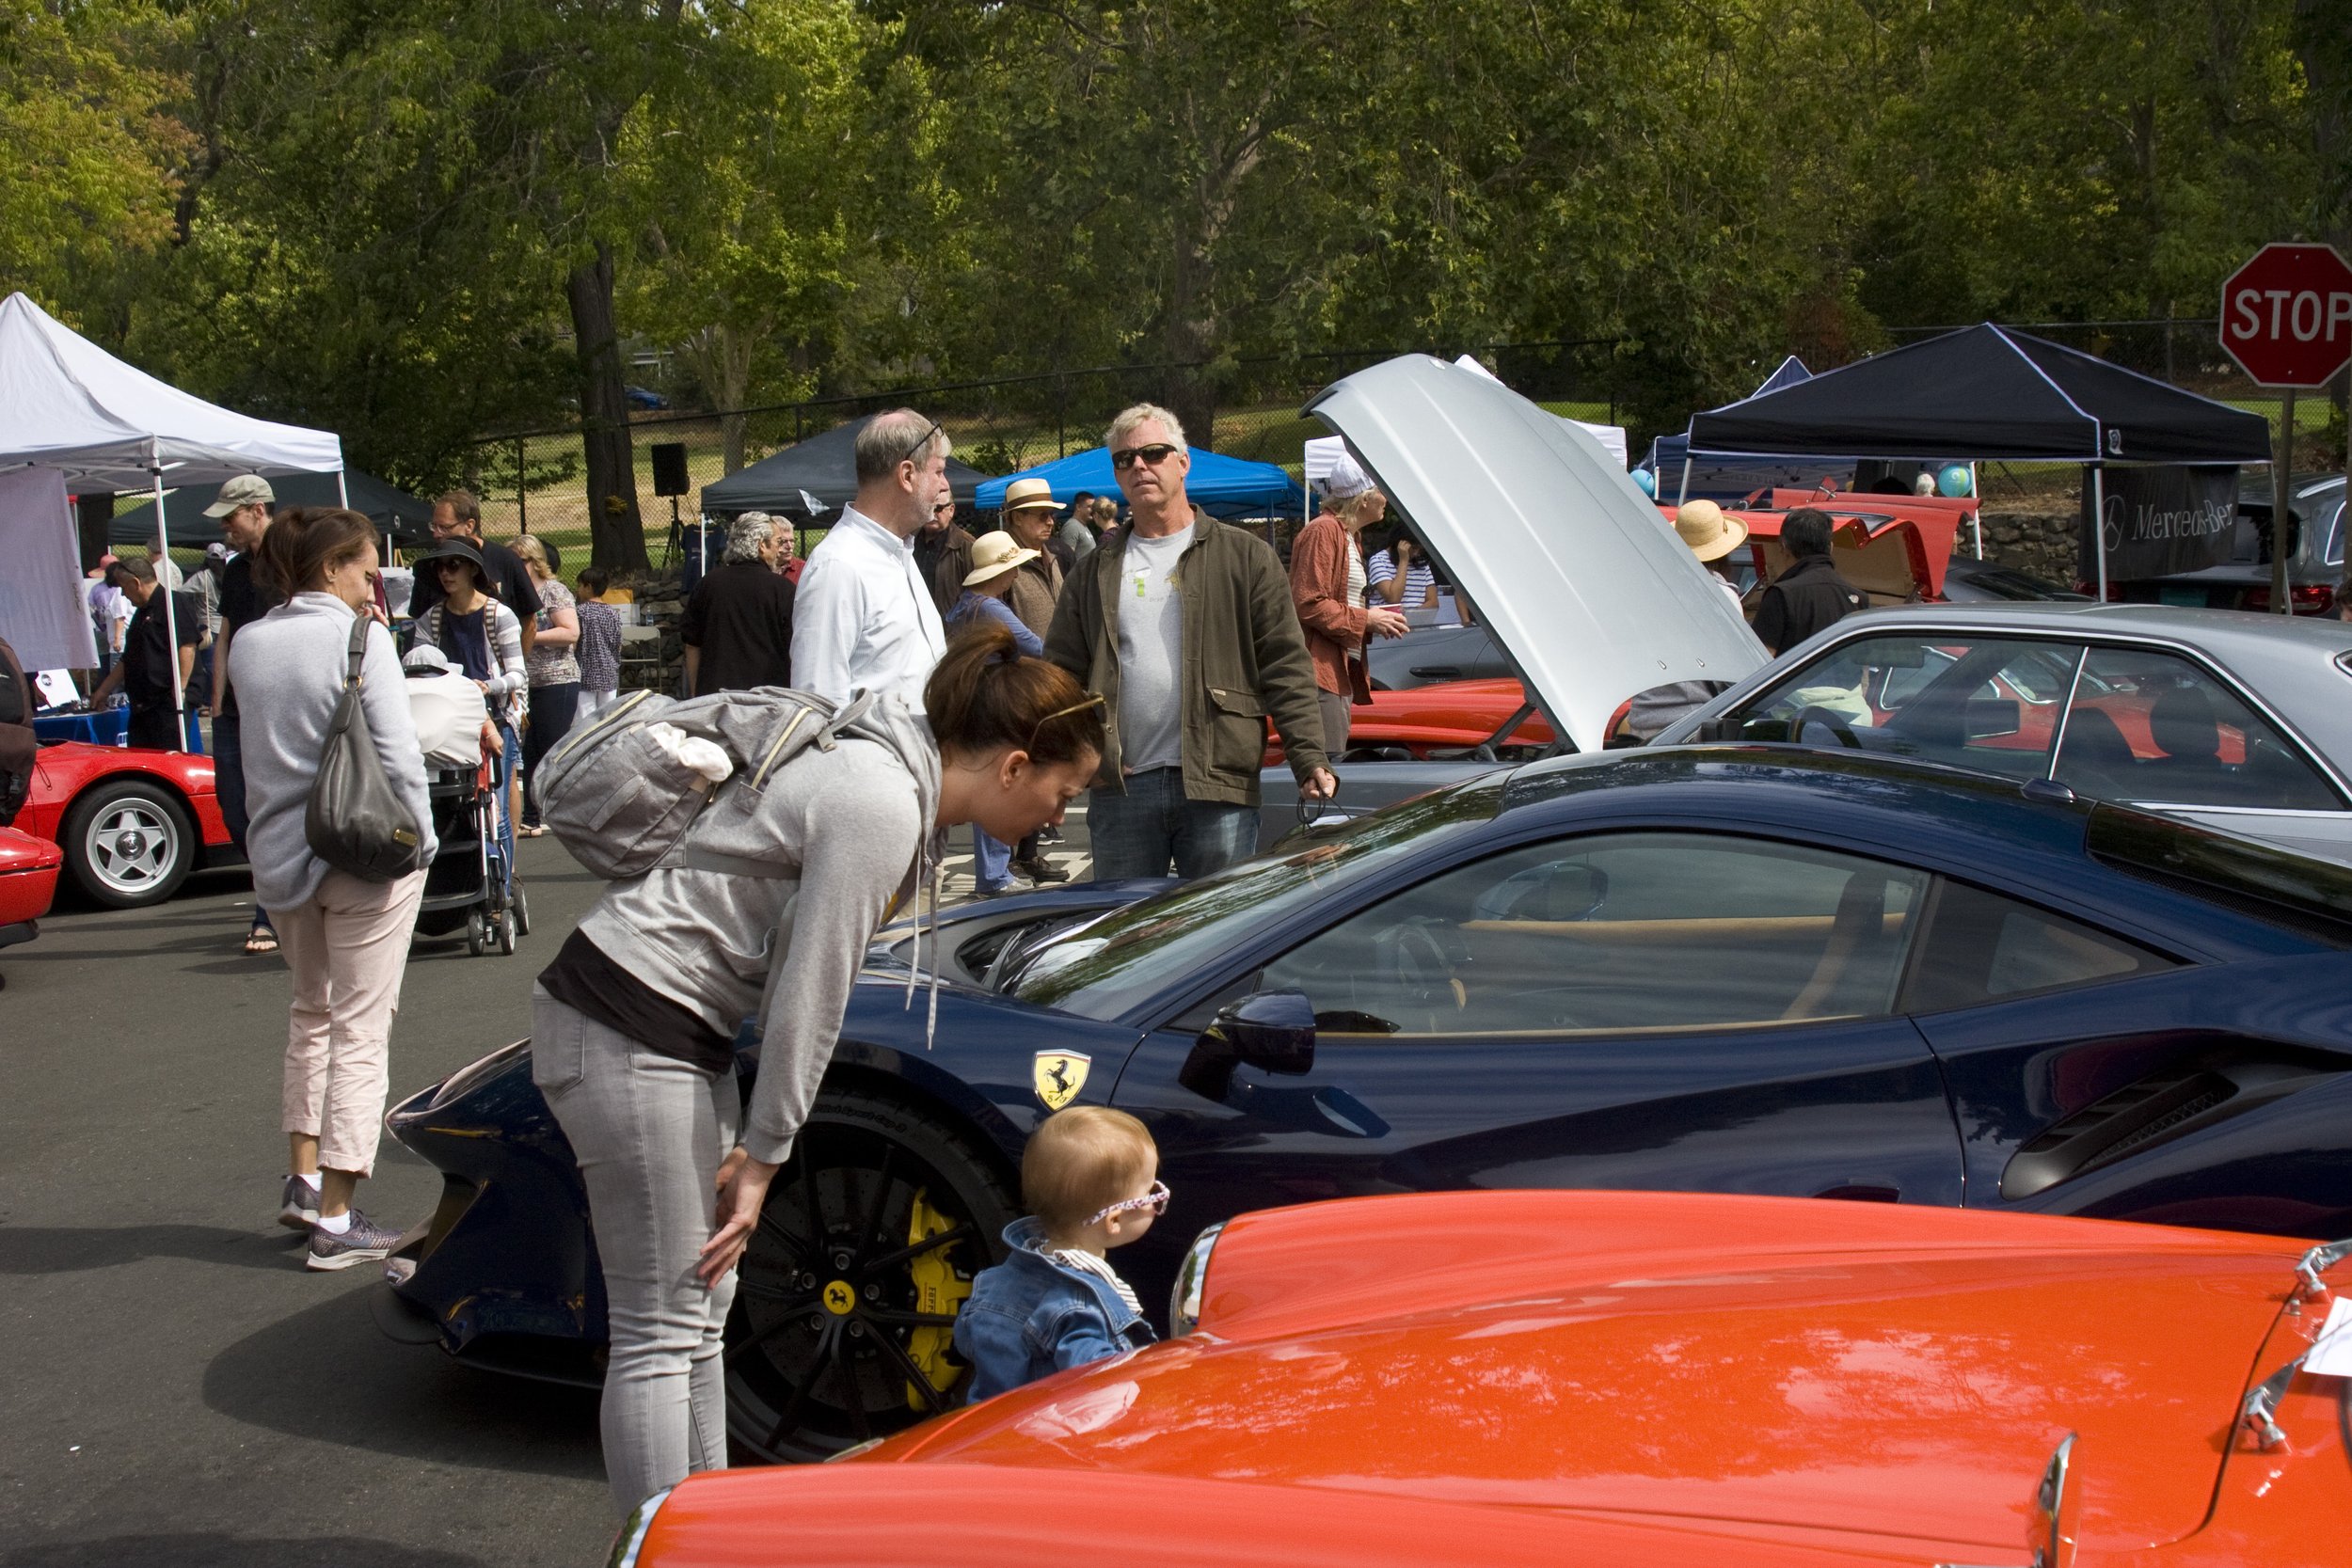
pixel 2038 544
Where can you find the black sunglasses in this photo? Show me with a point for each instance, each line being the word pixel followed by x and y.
pixel 1153 455
pixel 920 442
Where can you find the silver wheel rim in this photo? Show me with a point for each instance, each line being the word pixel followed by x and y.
pixel 131 847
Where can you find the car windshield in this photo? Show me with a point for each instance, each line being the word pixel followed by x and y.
pixel 1108 967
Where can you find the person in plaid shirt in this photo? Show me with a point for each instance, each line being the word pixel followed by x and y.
pixel 599 644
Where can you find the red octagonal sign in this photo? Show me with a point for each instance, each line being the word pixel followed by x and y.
pixel 2286 315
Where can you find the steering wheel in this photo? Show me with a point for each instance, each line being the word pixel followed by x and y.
pixel 1829 720
pixel 1410 957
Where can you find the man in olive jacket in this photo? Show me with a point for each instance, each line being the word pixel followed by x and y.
pixel 1185 627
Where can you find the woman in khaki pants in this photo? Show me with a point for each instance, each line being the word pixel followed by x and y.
pixel 344 937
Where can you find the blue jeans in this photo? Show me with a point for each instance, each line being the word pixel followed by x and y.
pixel 511 747
pixel 1137 832
pixel 992 868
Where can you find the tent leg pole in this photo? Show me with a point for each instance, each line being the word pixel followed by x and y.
pixel 2282 508
pixel 171 619
pixel 342 491
pixel 1976 518
pixel 2099 523
pixel 1684 494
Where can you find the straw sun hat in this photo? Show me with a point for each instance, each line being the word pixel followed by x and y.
pixel 1023 494
pixel 1710 534
pixel 992 556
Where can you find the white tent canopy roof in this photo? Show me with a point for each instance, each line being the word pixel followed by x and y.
pixel 66 404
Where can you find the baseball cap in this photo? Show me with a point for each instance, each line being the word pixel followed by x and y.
pixel 244 490
pixel 423 659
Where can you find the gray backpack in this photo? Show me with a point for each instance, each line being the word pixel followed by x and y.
pixel 622 803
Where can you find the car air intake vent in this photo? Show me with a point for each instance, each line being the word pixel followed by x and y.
pixel 2106 1130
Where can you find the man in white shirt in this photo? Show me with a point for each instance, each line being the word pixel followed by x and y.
pixel 863 619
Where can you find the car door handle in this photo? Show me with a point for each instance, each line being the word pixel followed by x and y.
pixel 1863 1192
pixel 1437 672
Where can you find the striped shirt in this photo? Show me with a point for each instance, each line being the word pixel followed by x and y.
pixel 1419 578
pixel 1085 1262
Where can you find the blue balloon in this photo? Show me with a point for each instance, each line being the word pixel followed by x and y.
pixel 1953 481
pixel 1647 481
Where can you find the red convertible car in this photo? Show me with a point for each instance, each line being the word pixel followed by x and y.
pixel 132 822
pixel 1629 1377
pixel 28 880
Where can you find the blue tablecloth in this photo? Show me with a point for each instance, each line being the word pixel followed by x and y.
pixel 104 728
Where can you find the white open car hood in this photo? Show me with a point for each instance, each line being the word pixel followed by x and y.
pixel 1584 585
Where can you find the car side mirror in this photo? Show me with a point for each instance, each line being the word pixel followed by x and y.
pixel 1710 729
pixel 1273 1030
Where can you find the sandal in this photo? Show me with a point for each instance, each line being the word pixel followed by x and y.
pixel 260 940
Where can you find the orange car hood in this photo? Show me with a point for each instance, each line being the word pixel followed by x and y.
pixel 1912 1393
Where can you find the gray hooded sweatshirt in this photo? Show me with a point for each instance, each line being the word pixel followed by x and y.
pixel 848 830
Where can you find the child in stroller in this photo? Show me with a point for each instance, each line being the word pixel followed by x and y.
pixel 471 882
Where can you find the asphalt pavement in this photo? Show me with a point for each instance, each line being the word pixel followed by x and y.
pixel 180 1390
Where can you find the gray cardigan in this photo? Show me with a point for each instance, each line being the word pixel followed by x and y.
pixel 287 671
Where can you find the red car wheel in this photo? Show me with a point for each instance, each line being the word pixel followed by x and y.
pixel 129 843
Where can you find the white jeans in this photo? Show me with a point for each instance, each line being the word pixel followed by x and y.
pixel 347 946
pixel 592 702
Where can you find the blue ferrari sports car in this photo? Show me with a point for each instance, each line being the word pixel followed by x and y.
pixel 1733 969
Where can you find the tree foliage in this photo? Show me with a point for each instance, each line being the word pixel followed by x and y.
pixel 424 221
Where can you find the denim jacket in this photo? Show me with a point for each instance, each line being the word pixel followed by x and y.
pixel 1029 1316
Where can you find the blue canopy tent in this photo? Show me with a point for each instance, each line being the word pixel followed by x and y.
pixel 1727 477
pixel 1220 486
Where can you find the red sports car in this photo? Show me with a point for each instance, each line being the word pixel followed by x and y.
pixel 1627 1377
pixel 132 822
pixel 28 880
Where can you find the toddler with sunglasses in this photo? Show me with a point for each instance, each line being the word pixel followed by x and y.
pixel 1089 1178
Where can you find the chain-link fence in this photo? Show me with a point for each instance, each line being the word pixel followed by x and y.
pixel 534 482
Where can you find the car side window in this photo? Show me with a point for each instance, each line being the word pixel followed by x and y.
pixel 2155 729
pixel 1613 934
pixel 1983 948
pixel 1989 704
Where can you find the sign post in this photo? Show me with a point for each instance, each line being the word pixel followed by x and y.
pixel 2286 318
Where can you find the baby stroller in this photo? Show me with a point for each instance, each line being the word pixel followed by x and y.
pixel 471 884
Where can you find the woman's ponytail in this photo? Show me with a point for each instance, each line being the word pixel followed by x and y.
pixel 984 694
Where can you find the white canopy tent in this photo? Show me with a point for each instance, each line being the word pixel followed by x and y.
pixel 69 406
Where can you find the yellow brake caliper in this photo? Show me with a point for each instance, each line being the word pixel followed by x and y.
pixel 938 1288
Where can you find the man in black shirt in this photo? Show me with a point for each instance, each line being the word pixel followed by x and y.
pixel 1809 594
pixel 737 625
pixel 144 671
pixel 243 508
pixel 458 516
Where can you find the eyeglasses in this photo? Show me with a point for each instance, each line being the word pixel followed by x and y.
pixel 1153 456
pixel 1095 700
pixel 919 443
pixel 1155 1200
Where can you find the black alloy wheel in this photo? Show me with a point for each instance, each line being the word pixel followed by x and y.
pixel 845 1298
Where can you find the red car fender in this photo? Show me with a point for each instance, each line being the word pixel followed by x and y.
pixel 63 773
pixel 28 876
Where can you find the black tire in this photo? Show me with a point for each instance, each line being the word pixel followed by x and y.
pixel 521 906
pixel 473 933
pixel 805 1381
pixel 504 930
pixel 129 842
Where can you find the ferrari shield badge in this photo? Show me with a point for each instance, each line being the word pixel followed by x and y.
pixel 1059 1075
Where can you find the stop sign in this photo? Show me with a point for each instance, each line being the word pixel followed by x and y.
pixel 2286 315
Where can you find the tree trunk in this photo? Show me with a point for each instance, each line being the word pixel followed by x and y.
pixel 1188 339
pixel 616 531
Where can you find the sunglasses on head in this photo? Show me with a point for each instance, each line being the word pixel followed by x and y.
pixel 1155 1200
pixel 1153 456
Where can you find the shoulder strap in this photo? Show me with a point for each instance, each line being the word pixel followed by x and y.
pixel 358 648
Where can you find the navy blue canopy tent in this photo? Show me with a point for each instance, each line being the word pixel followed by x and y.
pixel 1726 477
pixel 822 469
pixel 404 515
pixel 1220 486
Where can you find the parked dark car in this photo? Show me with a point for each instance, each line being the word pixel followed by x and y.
pixel 1734 969
pixel 1967 581
pixel 1429 655
pixel 2315 555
